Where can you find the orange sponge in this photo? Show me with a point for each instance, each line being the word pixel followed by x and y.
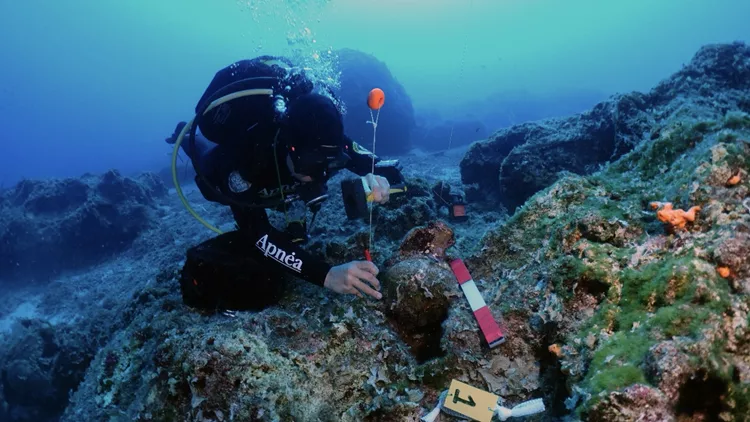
pixel 674 219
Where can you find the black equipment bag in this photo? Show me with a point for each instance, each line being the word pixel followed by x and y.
pixel 222 274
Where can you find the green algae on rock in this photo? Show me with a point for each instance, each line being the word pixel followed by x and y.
pixel 628 286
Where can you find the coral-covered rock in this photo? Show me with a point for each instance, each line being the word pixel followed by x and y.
pixel 668 369
pixel 414 299
pixel 55 225
pixel 361 72
pixel 636 403
pixel 401 412
pixel 734 254
pixel 635 305
pixel 209 372
pixel 614 231
pixel 305 359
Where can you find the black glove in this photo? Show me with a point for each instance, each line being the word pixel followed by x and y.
pixel 173 138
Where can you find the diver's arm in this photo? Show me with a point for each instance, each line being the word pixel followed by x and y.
pixel 361 164
pixel 361 158
pixel 198 149
pixel 276 249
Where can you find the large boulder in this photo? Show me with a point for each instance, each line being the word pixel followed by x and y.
pixel 416 303
pixel 416 288
pixel 519 161
pixel 48 226
pixel 360 73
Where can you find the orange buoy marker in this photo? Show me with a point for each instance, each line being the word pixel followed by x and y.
pixel 375 101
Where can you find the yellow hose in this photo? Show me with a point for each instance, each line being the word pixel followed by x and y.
pixel 181 137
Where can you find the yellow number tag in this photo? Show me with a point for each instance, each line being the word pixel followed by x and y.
pixel 470 401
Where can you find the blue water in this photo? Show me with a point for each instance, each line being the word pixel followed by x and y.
pixel 91 85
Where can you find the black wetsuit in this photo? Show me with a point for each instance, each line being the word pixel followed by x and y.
pixel 264 189
pixel 244 269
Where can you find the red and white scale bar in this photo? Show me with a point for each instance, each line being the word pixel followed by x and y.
pixel 482 313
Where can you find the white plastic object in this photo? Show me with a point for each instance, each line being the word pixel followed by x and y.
pixel 430 417
pixel 526 408
pixel 523 409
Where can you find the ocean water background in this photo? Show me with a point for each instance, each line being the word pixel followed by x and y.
pixel 86 86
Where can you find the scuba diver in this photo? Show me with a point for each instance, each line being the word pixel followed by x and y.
pixel 269 138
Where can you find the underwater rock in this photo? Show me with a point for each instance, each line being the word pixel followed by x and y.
pixel 635 304
pixel 173 364
pixel 615 231
pixel 481 163
pixel 313 357
pixel 511 370
pixel 635 403
pixel 432 241
pixel 415 301
pixel 400 412
pixel 400 215
pixel 667 368
pixel 360 72
pixel 41 364
pixel 714 68
pixel 734 255
pixel 49 226
pixel 516 162
pixel 212 374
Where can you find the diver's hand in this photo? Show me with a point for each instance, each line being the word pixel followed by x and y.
pixel 380 188
pixel 355 278
pixel 173 138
